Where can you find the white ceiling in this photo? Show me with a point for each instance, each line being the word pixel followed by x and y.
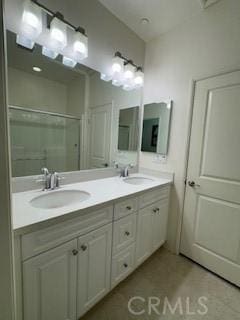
pixel 163 15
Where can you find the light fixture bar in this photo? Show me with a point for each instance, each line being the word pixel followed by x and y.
pixel 126 60
pixel 59 16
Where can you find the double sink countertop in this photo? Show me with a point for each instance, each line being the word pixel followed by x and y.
pixel 102 191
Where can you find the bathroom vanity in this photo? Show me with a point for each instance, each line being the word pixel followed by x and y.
pixel 70 257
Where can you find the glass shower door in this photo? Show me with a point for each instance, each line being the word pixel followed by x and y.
pixel 40 139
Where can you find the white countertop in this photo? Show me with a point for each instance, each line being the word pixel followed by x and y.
pixel 101 191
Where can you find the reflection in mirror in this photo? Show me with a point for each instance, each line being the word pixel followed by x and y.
pixel 156 126
pixel 61 118
pixel 128 129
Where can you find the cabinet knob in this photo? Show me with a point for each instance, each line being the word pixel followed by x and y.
pixel 75 252
pixel 129 208
pixel 83 247
pixel 125 265
pixel 156 210
pixel 127 233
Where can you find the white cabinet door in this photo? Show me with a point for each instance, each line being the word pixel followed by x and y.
pixel 160 218
pixel 49 284
pixel 144 235
pixel 94 262
pixel 211 223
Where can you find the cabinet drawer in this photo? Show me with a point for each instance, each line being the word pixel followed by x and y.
pixel 124 232
pixel 125 207
pixel 47 238
pixel 122 265
pixel 153 196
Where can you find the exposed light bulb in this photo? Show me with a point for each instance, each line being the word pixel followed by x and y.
pixel 80 46
pixel 69 62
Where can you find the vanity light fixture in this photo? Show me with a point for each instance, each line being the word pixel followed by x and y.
pixel 80 45
pixel 125 73
pixel 54 33
pixel 31 25
pixel 117 63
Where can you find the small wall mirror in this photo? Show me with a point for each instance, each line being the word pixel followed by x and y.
pixel 156 127
pixel 128 129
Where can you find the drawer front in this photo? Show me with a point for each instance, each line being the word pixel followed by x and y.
pixel 125 207
pixel 153 196
pixel 122 265
pixel 47 238
pixel 124 232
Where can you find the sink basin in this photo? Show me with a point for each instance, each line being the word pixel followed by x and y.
pixel 138 180
pixel 59 198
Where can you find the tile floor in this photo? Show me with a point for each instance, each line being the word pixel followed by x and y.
pixel 170 277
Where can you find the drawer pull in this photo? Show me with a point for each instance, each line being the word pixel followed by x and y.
pixel 75 252
pixel 83 247
pixel 125 265
pixel 128 207
pixel 127 233
pixel 156 210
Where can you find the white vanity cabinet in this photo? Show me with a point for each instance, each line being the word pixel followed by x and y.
pixel 94 267
pixel 152 223
pixel 50 283
pixel 64 269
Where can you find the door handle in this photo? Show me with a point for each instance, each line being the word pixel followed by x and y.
pixel 192 184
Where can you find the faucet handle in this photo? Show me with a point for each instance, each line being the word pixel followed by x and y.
pixel 45 171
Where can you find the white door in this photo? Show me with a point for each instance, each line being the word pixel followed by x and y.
pixel 94 262
pixel 49 284
pixel 211 223
pixel 100 132
pixel 144 234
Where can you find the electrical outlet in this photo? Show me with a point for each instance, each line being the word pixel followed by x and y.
pixel 160 158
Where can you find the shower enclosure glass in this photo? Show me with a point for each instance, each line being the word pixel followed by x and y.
pixel 41 139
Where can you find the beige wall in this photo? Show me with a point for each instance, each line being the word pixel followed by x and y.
pixel 206 45
pixel 27 90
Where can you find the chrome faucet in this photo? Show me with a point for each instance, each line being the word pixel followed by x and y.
pixel 51 180
pixel 125 170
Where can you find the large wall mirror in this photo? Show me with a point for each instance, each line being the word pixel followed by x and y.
pixel 156 127
pixel 66 119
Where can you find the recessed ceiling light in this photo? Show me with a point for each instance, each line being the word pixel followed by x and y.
pixel 37 69
pixel 144 21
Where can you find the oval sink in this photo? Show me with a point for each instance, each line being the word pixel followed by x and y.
pixel 138 180
pixel 59 198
